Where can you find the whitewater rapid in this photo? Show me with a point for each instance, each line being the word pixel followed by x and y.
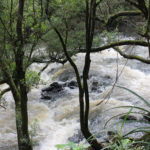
pixel 58 120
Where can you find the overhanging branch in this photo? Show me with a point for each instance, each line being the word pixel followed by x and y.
pixel 50 60
pixel 120 43
pixel 121 14
pixel 136 57
pixel 4 91
pixel 141 5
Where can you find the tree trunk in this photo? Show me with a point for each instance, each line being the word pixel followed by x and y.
pixel 90 25
pixel 83 90
pixel 18 89
pixel 91 139
pixel 24 142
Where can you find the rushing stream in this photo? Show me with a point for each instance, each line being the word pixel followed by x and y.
pixel 56 116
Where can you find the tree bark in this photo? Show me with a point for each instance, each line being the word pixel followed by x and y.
pixel 90 26
pixel 20 96
pixel 24 142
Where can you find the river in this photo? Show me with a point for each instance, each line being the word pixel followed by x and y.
pixel 57 119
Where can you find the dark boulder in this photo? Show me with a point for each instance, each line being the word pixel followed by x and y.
pixel 111 133
pixel 100 83
pixel 95 86
pixel 72 84
pixel 128 118
pixel 57 90
pixel 54 87
pixel 46 96
pixel 52 92
pixel 147 116
pixel 77 137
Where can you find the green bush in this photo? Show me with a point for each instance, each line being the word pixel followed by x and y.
pixel 72 146
pixel 32 79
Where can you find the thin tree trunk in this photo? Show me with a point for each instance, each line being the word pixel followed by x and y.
pixel 90 25
pixel 83 91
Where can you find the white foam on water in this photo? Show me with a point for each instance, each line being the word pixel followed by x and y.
pixel 59 120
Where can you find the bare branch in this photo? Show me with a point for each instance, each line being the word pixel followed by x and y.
pixel 141 6
pixel 4 91
pixel 70 59
pixel 146 61
pixel 43 68
pixel 120 43
pixel 31 52
pixel 49 60
pixel 2 106
pixel 121 14
pixel 132 3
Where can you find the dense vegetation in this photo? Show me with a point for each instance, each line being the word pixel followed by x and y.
pixel 64 28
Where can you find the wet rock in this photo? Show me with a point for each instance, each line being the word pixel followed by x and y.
pixel 147 116
pixel 51 96
pixel 46 96
pixel 76 138
pixel 111 133
pixel 108 77
pixel 52 92
pixel 128 118
pixel 95 86
pixel 72 84
pixel 66 75
pixel 94 127
pixel 100 83
pixel 56 90
pixel 54 87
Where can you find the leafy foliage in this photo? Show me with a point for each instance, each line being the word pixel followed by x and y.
pixel 32 79
pixel 71 146
pixel 68 17
pixel 33 131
